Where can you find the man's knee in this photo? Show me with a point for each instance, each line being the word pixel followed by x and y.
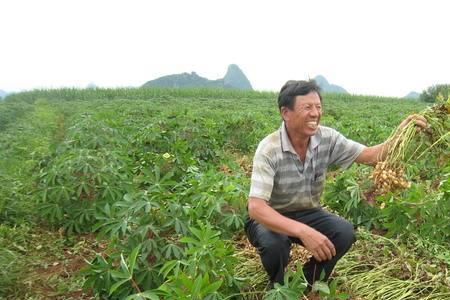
pixel 345 235
pixel 266 241
pixel 276 245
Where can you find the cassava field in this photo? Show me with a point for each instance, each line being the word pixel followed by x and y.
pixel 141 194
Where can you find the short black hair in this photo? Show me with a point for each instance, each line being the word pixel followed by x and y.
pixel 294 88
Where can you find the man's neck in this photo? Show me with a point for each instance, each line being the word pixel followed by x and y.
pixel 298 142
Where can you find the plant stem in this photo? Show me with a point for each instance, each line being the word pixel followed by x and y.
pixel 135 286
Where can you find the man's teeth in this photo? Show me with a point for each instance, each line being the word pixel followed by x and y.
pixel 312 125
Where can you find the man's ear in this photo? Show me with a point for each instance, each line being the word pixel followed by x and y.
pixel 284 113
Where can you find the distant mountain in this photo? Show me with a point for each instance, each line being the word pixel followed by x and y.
pixel 413 95
pixel 326 87
pixel 91 85
pixel 234 78
pixel 182 80
pixel 3 94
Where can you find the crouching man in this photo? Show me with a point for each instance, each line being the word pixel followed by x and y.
pixel 289 169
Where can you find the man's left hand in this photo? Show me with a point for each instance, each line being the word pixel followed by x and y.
pixel 419 121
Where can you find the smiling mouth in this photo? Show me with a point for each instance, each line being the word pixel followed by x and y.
pixel 312 125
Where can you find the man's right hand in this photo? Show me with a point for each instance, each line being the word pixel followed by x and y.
pixel 318 244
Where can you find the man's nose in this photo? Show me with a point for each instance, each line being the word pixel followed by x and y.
pixel 315 111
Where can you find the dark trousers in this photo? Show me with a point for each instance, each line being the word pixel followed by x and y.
pixel 274 248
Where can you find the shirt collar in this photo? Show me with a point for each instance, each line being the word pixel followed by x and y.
pixel 286 145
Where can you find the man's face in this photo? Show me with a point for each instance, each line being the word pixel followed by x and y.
pixel 304 119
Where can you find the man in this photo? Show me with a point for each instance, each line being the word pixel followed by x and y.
pixel 289 169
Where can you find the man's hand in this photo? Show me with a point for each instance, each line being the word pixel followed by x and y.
pixel 318 244
pixel 419 120
pixel 374 154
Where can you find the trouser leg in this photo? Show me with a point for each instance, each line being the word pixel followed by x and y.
pixel 338 230
pixel 273 248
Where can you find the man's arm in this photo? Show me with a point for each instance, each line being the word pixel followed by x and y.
pixel 317 243
pixel 374 154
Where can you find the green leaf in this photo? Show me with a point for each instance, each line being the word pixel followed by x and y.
pixel 172 265
pixel 128 197
pixel 343 296
pixel 116 285
pixel 132 259
pixel 212 287
pixel 291 294
pixel 197 286
pixel 197 233
pixel 189 240
pixel 320 286
pixel 123 265
pixel 118 274
pixel 333 287
pixel 150 295
pixel 172 250
pixel 107 209
pixel 144 295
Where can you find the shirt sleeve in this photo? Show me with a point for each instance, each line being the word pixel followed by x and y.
pixel 343 151
pixel 262 176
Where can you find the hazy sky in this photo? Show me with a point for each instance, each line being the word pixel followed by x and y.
pixel 378 47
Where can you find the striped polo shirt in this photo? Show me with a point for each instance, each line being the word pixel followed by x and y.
pixel 288 184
